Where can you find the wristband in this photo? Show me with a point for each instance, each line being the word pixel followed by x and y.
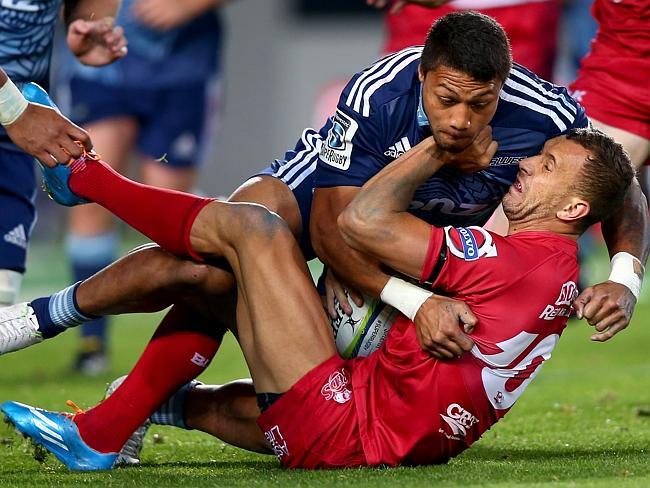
pixel 12 103
pixel 627 270
pixel 404 296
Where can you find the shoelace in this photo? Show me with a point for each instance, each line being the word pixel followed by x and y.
pixel 75 408
pixel 85 154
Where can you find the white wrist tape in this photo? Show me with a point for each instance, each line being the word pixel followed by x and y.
pixel 404 296
pixel 12 103
pixel 627 270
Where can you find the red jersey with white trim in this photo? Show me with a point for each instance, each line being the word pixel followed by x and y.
pixel 415 409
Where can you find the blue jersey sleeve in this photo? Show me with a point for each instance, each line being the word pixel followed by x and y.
pixel 351 152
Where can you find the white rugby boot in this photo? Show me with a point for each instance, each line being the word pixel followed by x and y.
pixel 130 453
pixel 18 328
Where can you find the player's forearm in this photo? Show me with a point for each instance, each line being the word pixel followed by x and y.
pixel 3 77
pixel 351 267
pixel 371 218
pixel 90 9
pixel 628 230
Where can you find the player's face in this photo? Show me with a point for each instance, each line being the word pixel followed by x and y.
pixel 458 107
pixel 545 182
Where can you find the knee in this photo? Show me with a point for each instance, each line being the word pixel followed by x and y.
pixel 260 224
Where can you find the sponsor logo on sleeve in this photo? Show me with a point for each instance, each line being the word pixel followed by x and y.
pixel 337 150
pixel 399 148
pixel 472 249
pixel 336 387
pixel 459 422
pixel 562 306
pixel 278 444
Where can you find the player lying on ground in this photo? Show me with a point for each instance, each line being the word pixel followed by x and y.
pixel 400 405
pixel 461 81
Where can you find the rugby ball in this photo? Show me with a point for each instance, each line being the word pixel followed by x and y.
pixel 363 332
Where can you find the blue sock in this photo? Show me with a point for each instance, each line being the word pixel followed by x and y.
pixel 172 412
pixel 88 256
pixel 59 312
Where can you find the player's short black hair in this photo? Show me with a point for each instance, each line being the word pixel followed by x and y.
pixel 606 176
pixel 470 42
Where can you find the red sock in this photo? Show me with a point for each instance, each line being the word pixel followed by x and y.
pixel 165 216
pixel 174 356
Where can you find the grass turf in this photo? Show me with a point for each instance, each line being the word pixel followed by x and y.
pixel 585 421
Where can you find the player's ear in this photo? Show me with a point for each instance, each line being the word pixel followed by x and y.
pixel 576 208
pixel 420 73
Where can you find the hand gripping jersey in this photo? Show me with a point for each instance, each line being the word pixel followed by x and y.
pixel 402 406
pixel 380 116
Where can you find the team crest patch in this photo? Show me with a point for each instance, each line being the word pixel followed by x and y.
pixel 278 444
pixel 336 387
pixel 337 149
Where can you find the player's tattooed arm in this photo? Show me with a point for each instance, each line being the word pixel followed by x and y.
pixel 377 223
pixel 608 306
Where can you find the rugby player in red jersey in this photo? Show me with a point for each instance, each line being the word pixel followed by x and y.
pixel 399 405
pixel 614 78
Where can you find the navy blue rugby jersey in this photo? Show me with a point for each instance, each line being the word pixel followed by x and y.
pixel 380 116
pixel 26 35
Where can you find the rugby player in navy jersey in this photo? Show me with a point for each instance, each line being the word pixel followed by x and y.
pixel 461 81
pixel 32 130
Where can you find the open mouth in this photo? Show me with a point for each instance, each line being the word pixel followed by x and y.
pixel 517 186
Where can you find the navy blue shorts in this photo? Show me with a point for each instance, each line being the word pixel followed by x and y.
pixel 172 120
pixel 296 170
pixel 17 212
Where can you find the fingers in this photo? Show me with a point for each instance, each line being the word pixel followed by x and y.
pixel 80 135
pixel 329 300
pixel 598 308
pixel 583 299
pixel 356 297
pixel 342 297
pixel 611 319
pixel 611 332
pixel 492 150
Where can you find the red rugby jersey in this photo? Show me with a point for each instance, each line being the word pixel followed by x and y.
pixel 415 409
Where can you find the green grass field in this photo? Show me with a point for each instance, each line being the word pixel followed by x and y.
pixel 585 421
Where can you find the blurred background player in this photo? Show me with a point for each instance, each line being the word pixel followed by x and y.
pixel 614 78
pixel 154 103
pixel 26 35
pixel 531 25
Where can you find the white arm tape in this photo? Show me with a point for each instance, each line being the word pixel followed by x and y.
pixel 12 103
pixel 404 296
pixel 627 270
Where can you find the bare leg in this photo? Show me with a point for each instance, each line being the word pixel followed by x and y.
pixel 283 330
pixel 228 412
pixel 148 279
pixel 637 147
